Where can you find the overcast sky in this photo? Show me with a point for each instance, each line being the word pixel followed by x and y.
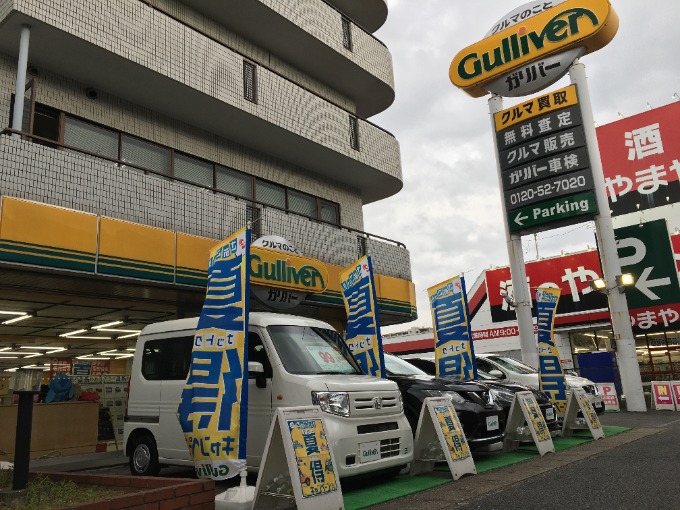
pixel 449 212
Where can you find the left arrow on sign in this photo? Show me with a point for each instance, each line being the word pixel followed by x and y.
pixel 643 283
pixel 519 219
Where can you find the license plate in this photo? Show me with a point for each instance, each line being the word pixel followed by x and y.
pixel 549 414
pixel 369 452
pixel 492 423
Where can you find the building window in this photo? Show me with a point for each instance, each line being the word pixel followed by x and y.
pixel 145 154
pixel 193 170
pixel 347 34
pixel 301 203
pixel 250 81
pixel 91 138
pixel 330 213
pixel 353 132
pixel 233 182
pixel 270 194
pixel 84 136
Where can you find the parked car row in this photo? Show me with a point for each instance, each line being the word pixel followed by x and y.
pixel 501 392
pixel 295 361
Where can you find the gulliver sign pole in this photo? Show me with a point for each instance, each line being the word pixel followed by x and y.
pixel 520 289
pixel 623 332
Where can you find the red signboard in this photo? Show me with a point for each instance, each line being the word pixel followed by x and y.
pixel 99 367
pixel 641 159
pixel 60 366
pixel 675 241
pixel 570 273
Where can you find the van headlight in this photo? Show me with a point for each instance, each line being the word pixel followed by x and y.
pixel 332 402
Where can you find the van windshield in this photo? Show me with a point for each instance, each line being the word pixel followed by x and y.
pixel 305 350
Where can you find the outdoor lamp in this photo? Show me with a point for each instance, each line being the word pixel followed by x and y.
pixel 624 280
pixel 598 284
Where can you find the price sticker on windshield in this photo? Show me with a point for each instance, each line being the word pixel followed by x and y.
pixel 328 359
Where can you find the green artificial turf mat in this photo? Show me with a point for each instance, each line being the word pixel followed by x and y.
pixel 364 497
pixel 395 488
pixel 497 460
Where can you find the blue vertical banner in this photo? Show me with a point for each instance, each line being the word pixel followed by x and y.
pixel 363 327
pixel 454 354
pixel 213 410
pixel 551 380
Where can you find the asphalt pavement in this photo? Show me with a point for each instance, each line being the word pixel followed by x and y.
pixel 638 469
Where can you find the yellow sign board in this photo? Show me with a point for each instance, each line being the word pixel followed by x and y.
pixel 287 271
pixel 314 463
pixel 574 23
pixel 540 105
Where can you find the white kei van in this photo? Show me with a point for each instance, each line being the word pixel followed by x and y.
pixel 292 362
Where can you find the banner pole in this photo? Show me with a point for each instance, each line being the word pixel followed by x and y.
pixel 522 298
pixel 618 306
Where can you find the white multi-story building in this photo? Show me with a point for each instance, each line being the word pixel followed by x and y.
pixel 145 131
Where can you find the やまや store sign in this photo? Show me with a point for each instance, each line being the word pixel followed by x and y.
pixel 641 160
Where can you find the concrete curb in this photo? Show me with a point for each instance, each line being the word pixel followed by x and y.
pixel 465 490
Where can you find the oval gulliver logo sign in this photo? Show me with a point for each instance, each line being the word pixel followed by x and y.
pixel 587 24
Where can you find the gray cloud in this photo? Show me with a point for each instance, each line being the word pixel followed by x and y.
pixel 449 213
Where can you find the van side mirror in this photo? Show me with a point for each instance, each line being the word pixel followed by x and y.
pixel 497 373
pixel 255 367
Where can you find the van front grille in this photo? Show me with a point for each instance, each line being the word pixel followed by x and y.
pixel 374 403
pixel 377 427
pixel 389 448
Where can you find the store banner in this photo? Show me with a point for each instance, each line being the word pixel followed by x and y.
pixel 298 468
pixel 61 366
pixel 581 415
pixel 610 398
pixel 525 413
pixel 454 354
pixel 578 304
pixel 676 394
pixel 363 328
pixel 641 160
pixel 439 436
pixel 662 396
pixel 213 409
pixel 551 379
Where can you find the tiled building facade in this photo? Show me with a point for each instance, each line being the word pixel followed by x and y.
pixel 194 118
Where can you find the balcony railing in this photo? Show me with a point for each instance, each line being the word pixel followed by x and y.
pixel 126 191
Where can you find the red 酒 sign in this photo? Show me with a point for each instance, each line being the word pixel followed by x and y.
pixel 571 274
pixel 641 159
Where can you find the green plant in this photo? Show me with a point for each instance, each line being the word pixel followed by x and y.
pixel 46 494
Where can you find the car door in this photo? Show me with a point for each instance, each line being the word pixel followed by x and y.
pixel 259 401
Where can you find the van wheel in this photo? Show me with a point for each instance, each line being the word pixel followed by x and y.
pixel 144 457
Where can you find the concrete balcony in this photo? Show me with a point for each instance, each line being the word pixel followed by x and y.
pixel 370 14
pixel 134 52
pixel 308 34
pixel 93 185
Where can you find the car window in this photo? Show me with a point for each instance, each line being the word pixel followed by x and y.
pixel 483 364
pixel 397 366
pixel 305 350
pixel 484 376
pixel 514 365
